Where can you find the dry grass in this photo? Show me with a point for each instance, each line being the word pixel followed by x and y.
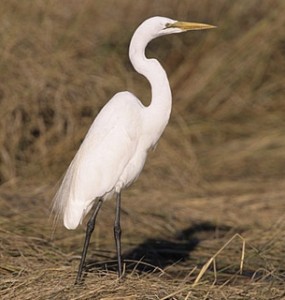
pixel 60 62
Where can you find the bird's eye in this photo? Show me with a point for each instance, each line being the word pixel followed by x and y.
pixel 167 25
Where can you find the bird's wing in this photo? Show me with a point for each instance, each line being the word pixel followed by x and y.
pixel 106 150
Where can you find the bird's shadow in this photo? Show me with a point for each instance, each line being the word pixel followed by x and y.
pixel 157 254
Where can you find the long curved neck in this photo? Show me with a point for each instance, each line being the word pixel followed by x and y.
pixel 161 99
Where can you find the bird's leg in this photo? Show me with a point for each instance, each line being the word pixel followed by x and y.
pixel 89 229
pixel 117 233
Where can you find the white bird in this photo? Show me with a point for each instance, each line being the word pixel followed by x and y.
pixel 115 148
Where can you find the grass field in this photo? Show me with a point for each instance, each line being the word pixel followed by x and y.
pixel 206 218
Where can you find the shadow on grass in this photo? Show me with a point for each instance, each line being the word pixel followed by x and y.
pixel 157 254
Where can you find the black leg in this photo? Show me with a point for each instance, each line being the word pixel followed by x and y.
pixel 117 234
pixel 89 230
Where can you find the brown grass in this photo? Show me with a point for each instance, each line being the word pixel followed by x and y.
pixel 217 173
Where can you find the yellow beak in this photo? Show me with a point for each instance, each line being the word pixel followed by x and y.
pixel 189 26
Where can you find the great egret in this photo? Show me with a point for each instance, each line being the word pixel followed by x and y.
pixel 115 148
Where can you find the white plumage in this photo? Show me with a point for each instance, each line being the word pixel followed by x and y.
pixel 110 158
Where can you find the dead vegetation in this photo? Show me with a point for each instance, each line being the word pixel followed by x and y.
pixel 218 172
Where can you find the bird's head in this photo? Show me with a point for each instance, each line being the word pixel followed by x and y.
pixel 159 26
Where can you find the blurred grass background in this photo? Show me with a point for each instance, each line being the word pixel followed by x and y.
pixel 218 169
pixel 61 62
